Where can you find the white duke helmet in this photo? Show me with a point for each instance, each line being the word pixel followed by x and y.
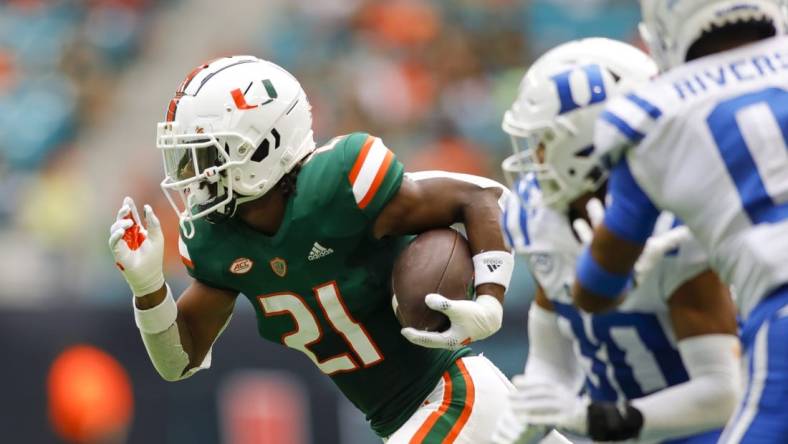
pixel 670 27
pixel 236 126
pixel 558 103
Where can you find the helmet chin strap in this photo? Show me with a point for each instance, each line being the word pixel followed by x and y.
pixel 224 212
pixel 243 199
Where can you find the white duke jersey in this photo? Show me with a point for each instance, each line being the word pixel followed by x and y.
pixel 627 353
pixel 708 141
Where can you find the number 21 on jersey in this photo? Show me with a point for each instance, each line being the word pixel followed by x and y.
pixel 309 332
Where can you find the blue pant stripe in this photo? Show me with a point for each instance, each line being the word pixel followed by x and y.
pixel 761 416
pixel 771 420
pixel 758 363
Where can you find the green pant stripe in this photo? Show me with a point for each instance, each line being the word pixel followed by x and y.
pixel 447 420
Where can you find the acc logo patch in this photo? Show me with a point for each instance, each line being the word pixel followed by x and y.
pixel 242 265
pixel 278 266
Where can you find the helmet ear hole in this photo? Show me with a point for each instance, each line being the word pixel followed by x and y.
pixel 277 138
pixel 264 148
pixel 261 152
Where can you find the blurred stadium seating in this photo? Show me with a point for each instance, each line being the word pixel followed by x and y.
pixel 82 84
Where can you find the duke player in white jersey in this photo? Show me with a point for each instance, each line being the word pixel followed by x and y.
pixel 659 368
pixel 708 141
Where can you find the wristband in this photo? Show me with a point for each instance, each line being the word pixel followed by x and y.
pixel 597 280
pixel 152 284
pixel 493 267
pixel 159 318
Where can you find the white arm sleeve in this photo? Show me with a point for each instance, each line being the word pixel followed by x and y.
pixel 164 346
pixel 703 403
pixel 551 356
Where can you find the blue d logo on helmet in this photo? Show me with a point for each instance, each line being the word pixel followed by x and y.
pixel 596 85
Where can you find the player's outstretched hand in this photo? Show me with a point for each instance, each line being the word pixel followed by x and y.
pixel 138 249
pixel 596 212
pixel 470 321
pixel 545 404
pixel 657 246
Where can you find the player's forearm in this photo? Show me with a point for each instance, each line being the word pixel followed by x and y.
pixel 166 353
pixel 706 401
pixel 550 354
pixel 155 299
pixel 481 215
pixel 703 403
pixel 167 337
pixel 156 316
pixel 151 300
pixel 604 270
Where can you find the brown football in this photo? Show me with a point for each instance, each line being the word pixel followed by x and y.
pixel 437 261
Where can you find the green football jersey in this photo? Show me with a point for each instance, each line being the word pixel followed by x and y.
pixel 322 283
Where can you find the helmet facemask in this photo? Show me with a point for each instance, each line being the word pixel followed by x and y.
pixel 546 156
pixel 198 173
pixel 552 121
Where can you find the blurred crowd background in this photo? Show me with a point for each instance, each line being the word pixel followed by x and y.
pixel 83 83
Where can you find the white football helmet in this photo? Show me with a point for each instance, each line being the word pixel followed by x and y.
pixel 551 123
pixel 670 27
pixel 235 127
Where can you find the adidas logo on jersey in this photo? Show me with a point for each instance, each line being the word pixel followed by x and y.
pixel 319 251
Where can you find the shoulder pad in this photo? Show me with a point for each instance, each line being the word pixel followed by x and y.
pixel 625 122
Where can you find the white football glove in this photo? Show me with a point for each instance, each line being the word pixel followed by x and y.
pixel 596 212
pixel 138 255
pixel 470 321
pixel 655 248
pixel 541 403
pixel 510 430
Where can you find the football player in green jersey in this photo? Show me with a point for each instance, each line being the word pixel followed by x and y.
pixel 309 236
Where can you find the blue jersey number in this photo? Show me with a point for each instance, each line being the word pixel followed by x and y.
pixel 626 353
pixel 739 158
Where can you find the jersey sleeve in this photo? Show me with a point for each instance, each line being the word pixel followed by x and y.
pixel 680 264
pixel 372 172
pixel 198 271
pixel 542 237
pixel 186 257
pixel 514 221
pixel 623 124
pixel 631 214
pixel 684 263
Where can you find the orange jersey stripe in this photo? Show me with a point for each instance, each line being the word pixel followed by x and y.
pixel 187 262
pixel 373 189
pixel 362 156
pixel 470 396
pixel 425 428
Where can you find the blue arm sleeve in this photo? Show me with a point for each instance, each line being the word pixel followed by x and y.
pixel 597 280
pixel 631 214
